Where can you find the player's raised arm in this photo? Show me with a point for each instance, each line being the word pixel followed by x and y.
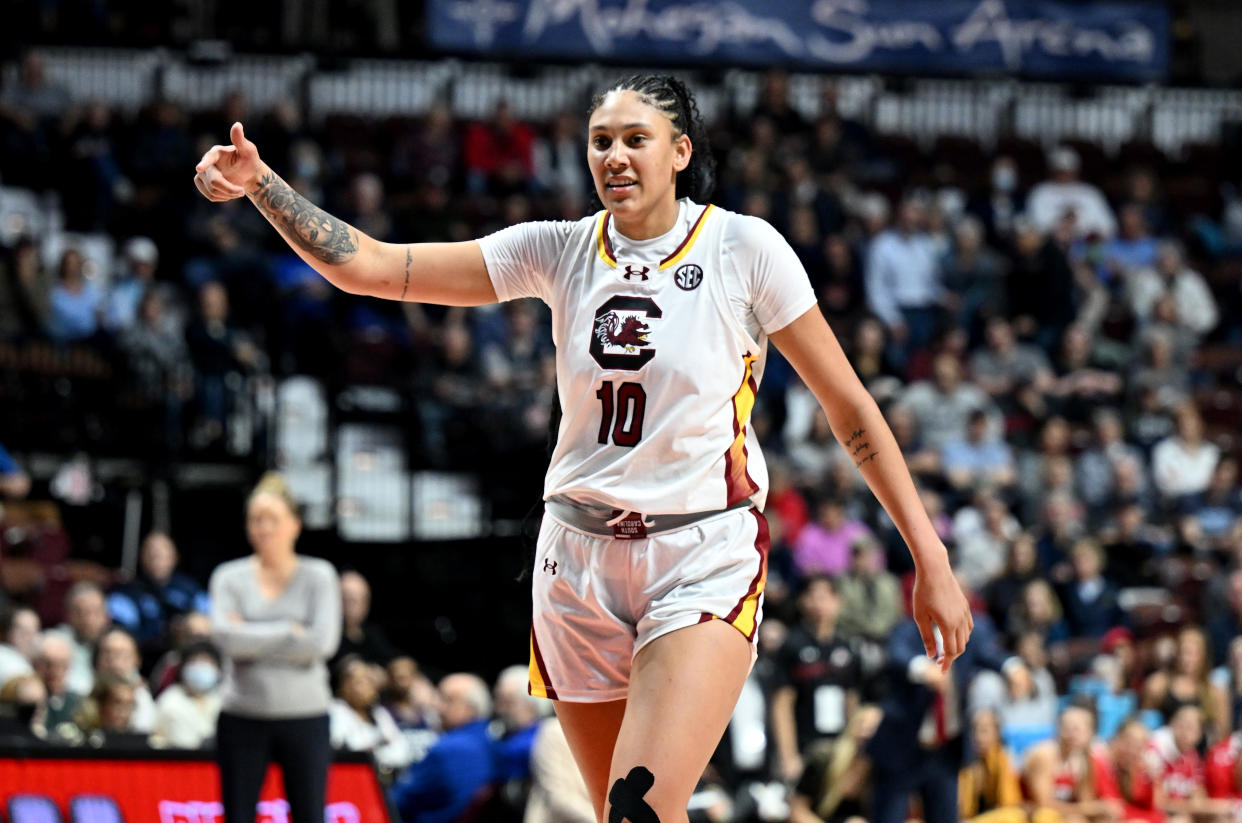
pixel 451 274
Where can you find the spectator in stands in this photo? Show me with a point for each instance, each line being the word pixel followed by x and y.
pixel 444 785
pixel 25 292
pixel 1182 464
pixel 357 721
pixel 116 654
pixel 1194 306
pixel 360 637
pixel 973 276
pixel 517 719
pixel 184 631
pixel 1094 467
pixel 23 709
pixel 1090 600
pixel 1161 366
pixel 107 716
pixel 823 545
pixel 86 619
pixel 1174 758
pixel 75 301
pixel 365 206
pixel 1218 509
pixel 14 481
pixel 450 390
pixel 1063 774
pixel 558 793
pixel 988 783
pixel 52 655
pixel 1064 195
pixel 1133 249
pixel 186 712
pixel 922 458
pixel 1187 681
pixel 1006 364
pixel 1041 291
pixel 1002 204
pixel 871 601
pixel 221 354
pixel 942 406
pixel 145 605
pixel 1222 774
pixel 498 154
pixel 983 544
pixel 1131 546
pixel 125 293
pixel 19 631
pixel 1130 779
pixel 903 280
pixel 1006 588
pixel 818 678
pixel 1039 611
pixel 159 366
pixel 558 158
pixel 981 460
pixel 412 700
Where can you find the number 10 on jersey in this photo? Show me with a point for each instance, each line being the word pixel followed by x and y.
pixel 622 413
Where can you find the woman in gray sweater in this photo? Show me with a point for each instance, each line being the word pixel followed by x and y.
pixel 276 617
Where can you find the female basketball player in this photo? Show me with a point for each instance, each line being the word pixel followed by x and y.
pixel 651 561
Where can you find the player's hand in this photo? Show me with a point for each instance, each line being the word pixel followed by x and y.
pixel 228 172
pixel 939 600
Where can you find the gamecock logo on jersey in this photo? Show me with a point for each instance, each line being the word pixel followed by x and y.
pixel 620 335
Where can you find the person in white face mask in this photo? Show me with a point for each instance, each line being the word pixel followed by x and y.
pixel 185 712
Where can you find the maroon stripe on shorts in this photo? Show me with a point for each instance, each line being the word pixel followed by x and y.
pixel 543 669
pixel 761 546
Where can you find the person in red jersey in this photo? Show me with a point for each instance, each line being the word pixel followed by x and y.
pixel 1065 774
pixel 1174 761
pixel 1223 773
pixel 1128 777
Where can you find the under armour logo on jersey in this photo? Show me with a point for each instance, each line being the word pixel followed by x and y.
pixel 636 271
pixel 549 566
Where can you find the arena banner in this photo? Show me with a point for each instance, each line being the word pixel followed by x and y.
pixel 152 787
pixel 1108 39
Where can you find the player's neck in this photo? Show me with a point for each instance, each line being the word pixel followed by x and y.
pixel 646 225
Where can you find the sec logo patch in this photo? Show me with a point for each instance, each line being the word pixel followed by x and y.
pixel 688 277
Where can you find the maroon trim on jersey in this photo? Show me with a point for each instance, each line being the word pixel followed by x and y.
pixel 686 240
pixel 761 546
pixel 543 669
pixel 706 617
pixel 608 249
pixel 735 492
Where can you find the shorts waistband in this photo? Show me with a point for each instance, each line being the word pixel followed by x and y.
pixel 654 523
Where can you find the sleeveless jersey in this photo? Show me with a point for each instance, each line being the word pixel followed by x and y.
pixel 1222 767
pixel 660 347
pixel 1179 774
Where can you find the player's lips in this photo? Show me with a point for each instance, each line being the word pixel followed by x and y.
pixel 620 185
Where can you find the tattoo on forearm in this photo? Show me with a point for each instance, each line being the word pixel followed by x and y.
pixel 854 436
pixel 408 259
pixel 866 459
pixel 310 227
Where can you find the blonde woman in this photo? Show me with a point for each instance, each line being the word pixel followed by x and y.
pixel 276 618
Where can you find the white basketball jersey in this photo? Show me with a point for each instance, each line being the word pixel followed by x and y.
pixel 656 369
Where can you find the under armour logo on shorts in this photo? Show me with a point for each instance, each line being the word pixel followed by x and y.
pixel 549 566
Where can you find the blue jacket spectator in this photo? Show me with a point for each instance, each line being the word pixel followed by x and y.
pixel 145 605
pixel 518 714
pixel 460 770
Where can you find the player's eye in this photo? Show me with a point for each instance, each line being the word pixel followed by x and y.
pixel 638 139
pixel 600 142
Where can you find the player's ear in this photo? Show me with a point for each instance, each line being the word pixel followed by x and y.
pixel 683 150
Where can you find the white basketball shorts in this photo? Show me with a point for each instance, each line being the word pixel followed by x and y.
pixel 599 600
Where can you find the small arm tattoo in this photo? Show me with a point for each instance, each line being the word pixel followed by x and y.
pixel 866 459
pixel 408 259
pixel 310 227
pixel 861 447
pixel 854 435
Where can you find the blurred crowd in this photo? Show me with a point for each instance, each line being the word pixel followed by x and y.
pixel 1054 334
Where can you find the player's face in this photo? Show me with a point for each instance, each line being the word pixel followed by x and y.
pixel 634 155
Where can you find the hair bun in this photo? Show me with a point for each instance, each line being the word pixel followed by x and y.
pixel 274 483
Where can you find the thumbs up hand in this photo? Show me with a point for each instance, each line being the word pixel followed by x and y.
pixel 228 172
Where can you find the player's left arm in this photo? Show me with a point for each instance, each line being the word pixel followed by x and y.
pixel 810 346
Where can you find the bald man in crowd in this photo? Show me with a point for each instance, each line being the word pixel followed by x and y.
pixel 442 786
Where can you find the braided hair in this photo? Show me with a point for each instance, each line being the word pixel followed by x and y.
pixel 670 96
